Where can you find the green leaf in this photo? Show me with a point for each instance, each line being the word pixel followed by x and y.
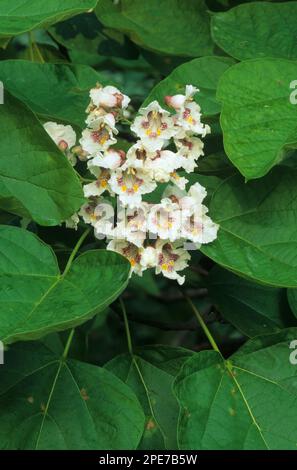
pixel 36 180
pixel 36 299
pixel 163 64
pixel 204 73
pixel 150 373
pixel 257 29
pixel 53 91
pixel 88 43
pixel 250 307
pixel 20 16
pixel 177 27
pixel 292 298
pixel 49 403
pixel 215 164
pixel 257 237
pixel 258 120
pixel 244 403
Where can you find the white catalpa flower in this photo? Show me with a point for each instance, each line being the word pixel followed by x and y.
pixel 164 220
pixel 63 136
pixel 109 97
pixel 149 257
pixel 87 211
pixel 171 258
pixel 96 212
pixel 162 163
pixel 72 222
pixel 186 200
pixel 174 193
pixel 180 217
pixel 130 185
pixel 94 141
pixel 197 226
pixel 153 126
pixel 132 225
pixel 104 223
pixel 196 194
pixel 132 252
pixel 96 188
pixel 136 156
pixel 190 149
pixel 178 101
pixel 96 120
pixel 189 120
pixel 110 159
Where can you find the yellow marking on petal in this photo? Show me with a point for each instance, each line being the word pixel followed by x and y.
pixel 135 187
pixel 93 217
pixel 103 139
pixel 148 132
pixel 124 188
pixel 190 119
pixel 103 183
pixel 164 266
pixel 158 131
pixel 132 262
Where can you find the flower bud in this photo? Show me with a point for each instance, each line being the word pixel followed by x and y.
pixel 175 101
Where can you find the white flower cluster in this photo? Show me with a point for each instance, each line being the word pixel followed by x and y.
pixel 150 236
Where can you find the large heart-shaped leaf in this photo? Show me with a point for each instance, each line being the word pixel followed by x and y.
pixel 50 403
pixel 177 27
pixel 258 119
pixel 20 16
pixel 250 307
pixel 37 299
pixel 257 29
pixel 258 227
pixel 36 180
pixel 244 403
pixel 53 91
pixel 204 73
pixel 150 373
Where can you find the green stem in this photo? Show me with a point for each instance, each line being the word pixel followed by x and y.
pixel 33 47
pixel 75 250
pixel 31 42
pixel 84 180
pixel 61 362
pixel 134 362
pixel 127 329
pixel 203 325
pixel 124 120
pixel 69 339
pixel 67 345
pixel 39 53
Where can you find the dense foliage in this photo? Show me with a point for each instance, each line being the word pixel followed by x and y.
pixel 99 351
